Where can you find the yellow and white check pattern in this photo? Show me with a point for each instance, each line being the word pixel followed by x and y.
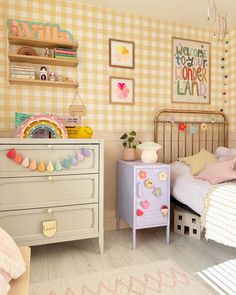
pixel 93 27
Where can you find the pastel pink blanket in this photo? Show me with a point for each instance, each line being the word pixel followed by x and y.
pixel 12 264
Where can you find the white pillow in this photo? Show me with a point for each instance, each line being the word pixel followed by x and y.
pixel 225 154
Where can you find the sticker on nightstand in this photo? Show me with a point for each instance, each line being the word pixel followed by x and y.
pixel 148 183
pixel 164 210
pixel 156 192
pixel 49 228
pixel 162 176
pixel 142 174
pixel 139 212
pixel 145 204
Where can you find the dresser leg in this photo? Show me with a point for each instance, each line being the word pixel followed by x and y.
pixel 101 243
pixel 134 238
pixel 167 235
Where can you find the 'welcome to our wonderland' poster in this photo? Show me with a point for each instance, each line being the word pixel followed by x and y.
pixel 190 71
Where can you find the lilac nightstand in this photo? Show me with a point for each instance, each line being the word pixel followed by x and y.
pixel 143 196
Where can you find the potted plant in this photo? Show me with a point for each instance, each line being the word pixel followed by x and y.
pixel 129 144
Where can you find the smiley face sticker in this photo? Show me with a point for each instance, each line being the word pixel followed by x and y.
pixel 148 183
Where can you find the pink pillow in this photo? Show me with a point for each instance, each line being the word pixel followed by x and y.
pixel 218 172
pixel 225 154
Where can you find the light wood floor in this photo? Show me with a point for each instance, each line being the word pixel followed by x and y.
pixel 68 259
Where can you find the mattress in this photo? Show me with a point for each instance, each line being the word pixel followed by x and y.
pixel 187 189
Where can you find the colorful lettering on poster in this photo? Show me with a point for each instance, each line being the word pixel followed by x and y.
pixel 191 70
pixel 39 31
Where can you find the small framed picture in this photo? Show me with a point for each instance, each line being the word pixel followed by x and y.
pixel 121 53
pixel 121 90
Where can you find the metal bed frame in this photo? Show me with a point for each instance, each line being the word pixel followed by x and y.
pixel 177 144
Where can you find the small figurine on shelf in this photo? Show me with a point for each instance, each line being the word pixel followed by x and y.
pixel 43 73
pixel 60 77
pixel 52 76
pixel 47 52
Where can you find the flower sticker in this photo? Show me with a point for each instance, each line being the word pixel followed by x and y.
pixel 204 126
pixel 162 176
pixel 148 183
pixel 142 174
pixel 156 192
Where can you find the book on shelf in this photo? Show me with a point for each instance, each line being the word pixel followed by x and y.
pixel 66 57
pixel 30 77
pixel 66 49
pixel 65 52
pixel 13 71
pixel 22 67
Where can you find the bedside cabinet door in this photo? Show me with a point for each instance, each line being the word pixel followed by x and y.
pixel 152 195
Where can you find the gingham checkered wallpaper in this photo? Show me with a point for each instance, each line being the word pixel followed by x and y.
pixel 93 27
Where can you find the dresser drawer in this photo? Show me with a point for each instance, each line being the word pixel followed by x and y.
pixel 50 153
pixel 73 222
pixel 44 191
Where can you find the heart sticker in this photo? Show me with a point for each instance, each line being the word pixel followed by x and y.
pixel 145 204
pixel 11 154
pixel 139 212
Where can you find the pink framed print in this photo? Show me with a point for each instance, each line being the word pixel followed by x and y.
pixel 121 90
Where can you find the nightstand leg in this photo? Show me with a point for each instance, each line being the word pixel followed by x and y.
pixel 134 238
pixel 167 235
pixel 117 222
pixel 101 243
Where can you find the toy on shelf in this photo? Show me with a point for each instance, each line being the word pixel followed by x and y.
pixel 32 125
pixel 80 132
pixel 43 73
pixel 26 50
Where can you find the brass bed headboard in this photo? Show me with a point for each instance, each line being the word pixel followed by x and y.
pixel 176 143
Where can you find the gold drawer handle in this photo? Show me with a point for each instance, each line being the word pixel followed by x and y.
pixel 50 178
pixel 49 211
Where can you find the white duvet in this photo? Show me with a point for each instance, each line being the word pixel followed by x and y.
pixel 187 189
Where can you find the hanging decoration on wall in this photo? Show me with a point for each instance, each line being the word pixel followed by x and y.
pixel 171 119
pixel 224 68
pixel 182 127
pixel 38 31
pixel 43 166
pixel 220 21
pixel 193 129
pixel 203 126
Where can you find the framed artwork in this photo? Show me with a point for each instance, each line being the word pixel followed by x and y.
pixel 191 76
pixel 121 90
pixel 121 53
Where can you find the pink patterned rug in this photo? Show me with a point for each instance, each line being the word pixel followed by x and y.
pixel 162 277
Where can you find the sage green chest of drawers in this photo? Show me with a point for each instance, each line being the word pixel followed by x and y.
pixel 65 186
